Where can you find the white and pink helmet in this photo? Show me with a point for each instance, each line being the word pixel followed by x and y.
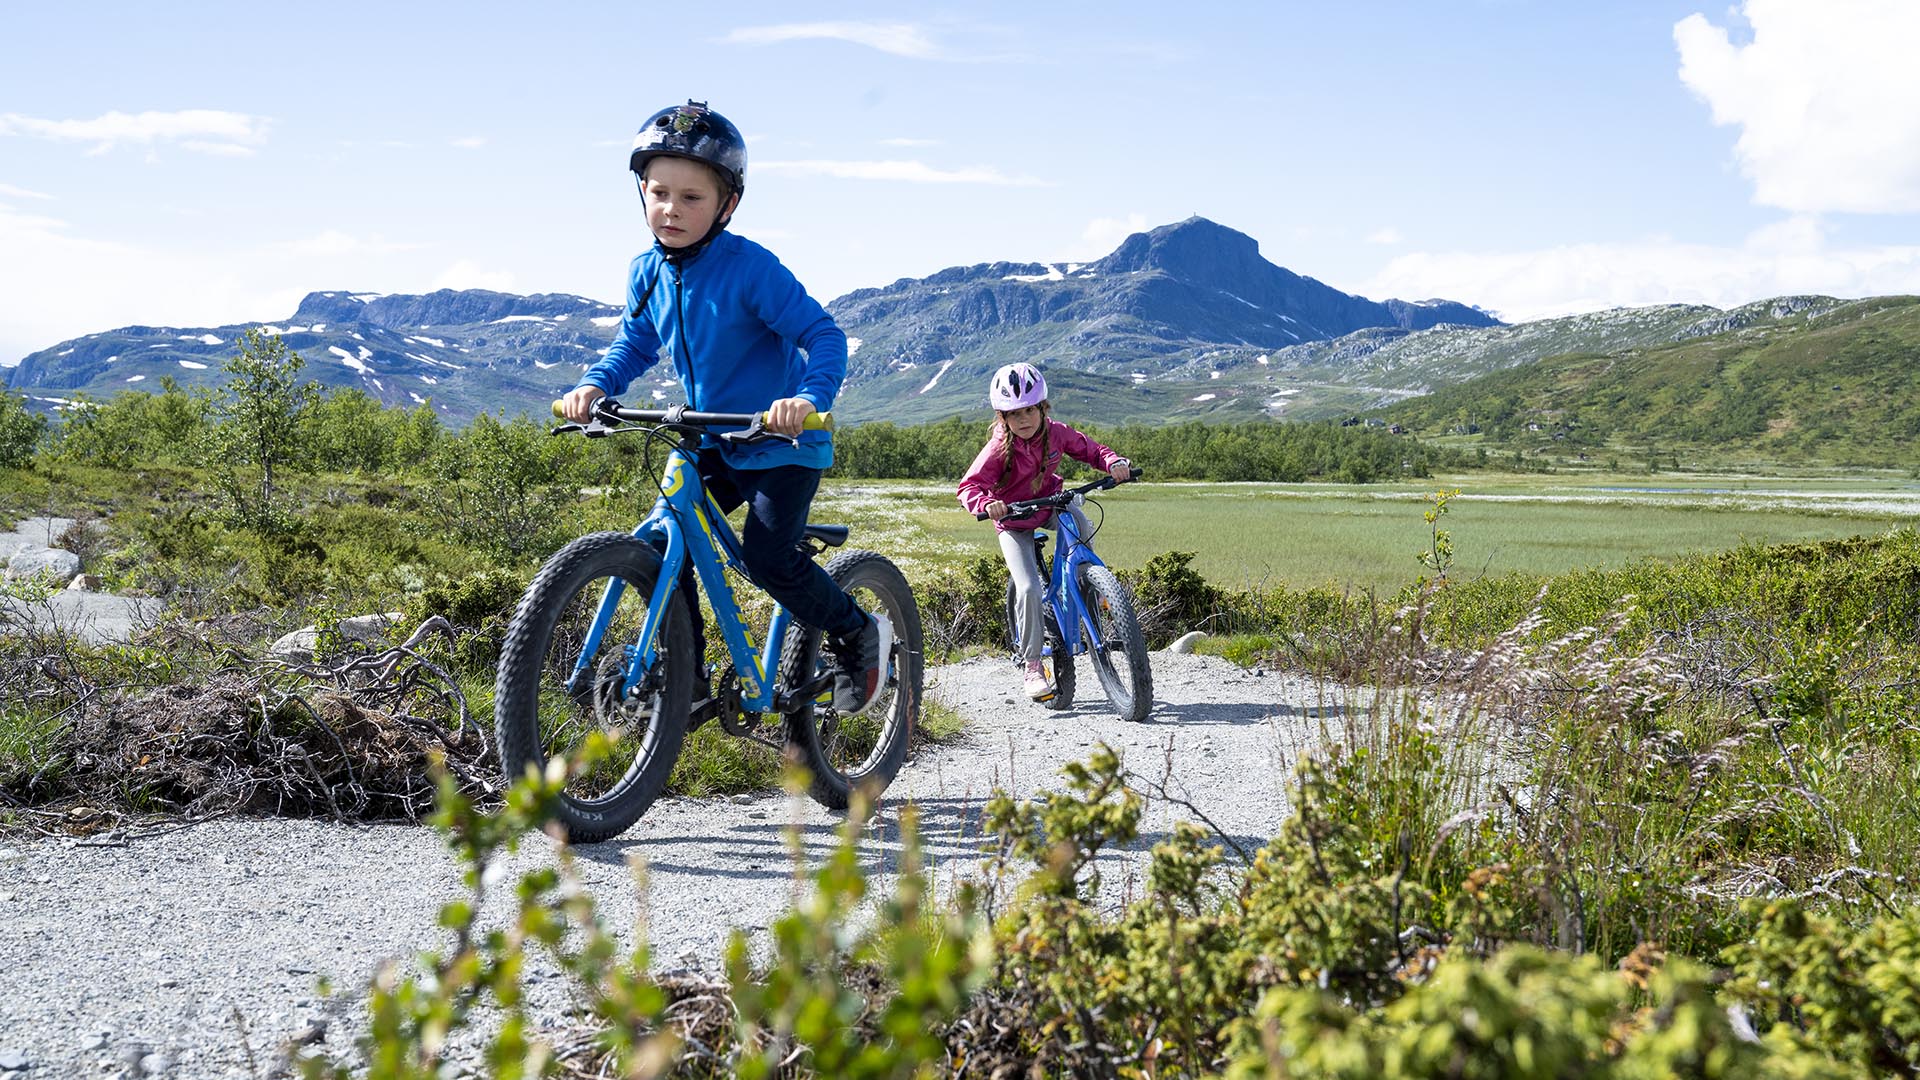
pixel 1017 386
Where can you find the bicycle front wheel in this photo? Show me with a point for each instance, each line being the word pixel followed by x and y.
pixel 1059 660
pixel 862 752
pixel 1115 644
pixel 544 711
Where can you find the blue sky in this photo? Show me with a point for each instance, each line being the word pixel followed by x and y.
pixel 210 163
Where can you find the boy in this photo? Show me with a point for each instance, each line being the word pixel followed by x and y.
pixel 734 321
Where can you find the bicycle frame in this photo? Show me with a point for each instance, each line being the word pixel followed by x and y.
pixel 1063 586
pixel 713 547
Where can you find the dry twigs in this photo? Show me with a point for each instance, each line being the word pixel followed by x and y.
pixel 353 740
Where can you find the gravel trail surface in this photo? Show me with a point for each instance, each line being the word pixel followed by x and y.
pixel 199 952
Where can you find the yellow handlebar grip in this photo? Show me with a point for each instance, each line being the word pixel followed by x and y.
pixel 815 421
pixel 560 409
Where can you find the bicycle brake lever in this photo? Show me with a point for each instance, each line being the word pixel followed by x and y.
pixel 592 430
pixel 757 432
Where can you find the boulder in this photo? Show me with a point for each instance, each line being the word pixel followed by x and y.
pixel 299 645
pixel 84 583
pixel 1185 642
pixel 44 562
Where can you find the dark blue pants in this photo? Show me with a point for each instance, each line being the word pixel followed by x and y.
pixel 777 502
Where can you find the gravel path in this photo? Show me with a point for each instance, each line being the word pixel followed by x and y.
pixel 152 958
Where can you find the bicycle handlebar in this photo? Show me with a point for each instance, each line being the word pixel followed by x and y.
pixel 1027 507
pixel 679 416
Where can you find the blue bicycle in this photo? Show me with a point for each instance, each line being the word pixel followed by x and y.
pixel 605 644
pixel 1086 610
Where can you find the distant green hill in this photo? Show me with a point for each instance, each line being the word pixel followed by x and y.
pixel 1834 386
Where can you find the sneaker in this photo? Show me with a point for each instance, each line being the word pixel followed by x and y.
pixel 862 665
pixel 1039 687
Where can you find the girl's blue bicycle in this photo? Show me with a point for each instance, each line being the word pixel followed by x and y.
pixel 606 644
pixel 1086 610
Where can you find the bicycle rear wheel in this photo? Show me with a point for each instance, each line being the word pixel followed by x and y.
pixel 1059 660
pixel 538 718
pixel 1115 644
pixel 862 752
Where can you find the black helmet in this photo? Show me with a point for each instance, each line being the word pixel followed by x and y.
pixel 697 132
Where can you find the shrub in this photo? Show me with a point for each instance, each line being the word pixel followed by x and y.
pixel 20 431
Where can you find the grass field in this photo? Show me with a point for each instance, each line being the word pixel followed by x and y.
pixel 1369 536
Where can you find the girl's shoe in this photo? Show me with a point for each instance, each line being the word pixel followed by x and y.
pixel 1039 687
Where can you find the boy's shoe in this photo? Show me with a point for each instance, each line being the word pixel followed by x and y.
pixel 861 660
pixel 1039 687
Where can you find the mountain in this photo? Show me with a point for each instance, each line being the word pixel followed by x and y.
pixel 1144 331
pixel 1186 321
pixel 1808 379
pixel 469 351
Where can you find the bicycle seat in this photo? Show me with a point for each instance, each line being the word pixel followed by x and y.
pixel 830 535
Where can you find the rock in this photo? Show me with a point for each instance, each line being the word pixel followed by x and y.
pixel 298 646
pixel 44 562
pixel 155 1064
pixel 11 1060
pixel 84 583
pixel 1186 642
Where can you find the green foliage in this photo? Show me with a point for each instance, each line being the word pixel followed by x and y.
pixel 136 428
pixel 1852 993
pixel 1831 387
pixel 479 604
pixel 965 607
pixel 348 430
pixel 20 431
pixel 1171 598
pixel 800 1007
pixel 1263 450
pixel 507 486
pixel 1438 555
pixel 257 429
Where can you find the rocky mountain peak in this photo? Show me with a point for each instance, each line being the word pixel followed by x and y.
pixel 447 307
pixel 1195 249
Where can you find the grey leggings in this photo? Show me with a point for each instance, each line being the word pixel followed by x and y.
pixel 1029 587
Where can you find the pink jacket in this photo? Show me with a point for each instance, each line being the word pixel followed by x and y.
pixel 988 479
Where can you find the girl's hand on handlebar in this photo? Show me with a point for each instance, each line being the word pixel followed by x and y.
pixel 785 416
pixel 578 404
pixel 1122 471
pixel 996 510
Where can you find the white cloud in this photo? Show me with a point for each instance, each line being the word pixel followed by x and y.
pixel 914 172
pixel 207 131
pixel 467 274
pixel 469 142
pixel 909 142
pixel 1385 235
pixel 899 39
pixel 60 286
pixel 1785 258
pixel 8 191
pixel 1102 235
pixel 1826 96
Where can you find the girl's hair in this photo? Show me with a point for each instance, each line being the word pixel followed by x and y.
pixel 1006 438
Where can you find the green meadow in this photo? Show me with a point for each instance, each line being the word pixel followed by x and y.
pixel 1370 536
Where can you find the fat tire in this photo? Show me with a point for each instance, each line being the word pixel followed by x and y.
pixel 1063 678
pixel 522 672
pixel 830 785
pixel 1131 693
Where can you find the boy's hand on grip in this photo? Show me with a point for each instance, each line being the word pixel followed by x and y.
pixel 996 510
pixel 577 406
pixel 786 416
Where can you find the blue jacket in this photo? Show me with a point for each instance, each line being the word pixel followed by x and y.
pixel 734 320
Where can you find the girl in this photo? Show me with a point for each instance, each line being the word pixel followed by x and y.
pixel 1018 463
